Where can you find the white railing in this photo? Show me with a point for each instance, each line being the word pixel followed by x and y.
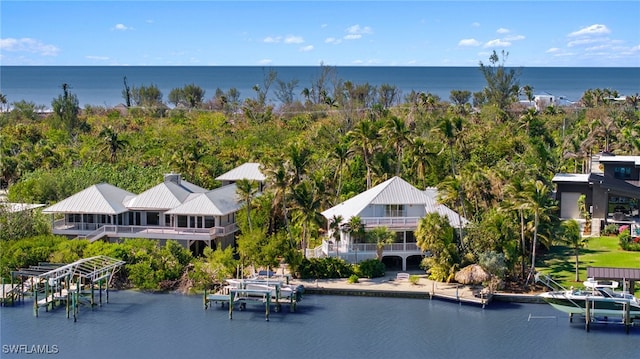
pixel 328 248
pixel 390 221
pixel 96 231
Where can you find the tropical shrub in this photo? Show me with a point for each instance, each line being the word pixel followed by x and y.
pixel 370 268
pixel 324 268
pixel 353 279
pixel 627 242
pixel 610 229
pixel 414 279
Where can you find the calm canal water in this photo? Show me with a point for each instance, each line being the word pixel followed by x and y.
pixel 142 325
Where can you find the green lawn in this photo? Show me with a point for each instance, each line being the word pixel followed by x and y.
pixel 559 262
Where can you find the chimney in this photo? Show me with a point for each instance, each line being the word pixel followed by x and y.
pixel 172 177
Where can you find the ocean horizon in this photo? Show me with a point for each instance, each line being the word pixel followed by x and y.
pixel 103 85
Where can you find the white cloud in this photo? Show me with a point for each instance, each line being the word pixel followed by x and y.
pixel 359 30
pixel 27 44
pixel 469 42
pixel 272 40
pixel 475 24
pixel 332 40
pixel 121 27
pixel 306 48
pixel 596 29
pixel 265 62
pixel 585 41
pixel 502 30
pixel 290 39
pixel 293 40
pixel 352 37
pixel 497 43
pixel 552 50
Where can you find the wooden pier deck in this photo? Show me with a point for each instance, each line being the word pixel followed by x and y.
pixel 264 292
pixel 394 285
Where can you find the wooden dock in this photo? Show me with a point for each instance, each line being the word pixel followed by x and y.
pixel 264 292
pixel 400 287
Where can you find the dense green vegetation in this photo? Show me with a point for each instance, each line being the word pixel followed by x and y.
pixel 491 159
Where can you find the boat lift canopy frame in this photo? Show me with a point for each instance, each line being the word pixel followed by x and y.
pixel 93 269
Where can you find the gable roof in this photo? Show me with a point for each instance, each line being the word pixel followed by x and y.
pixel 217 202
pixel 165 195
pixel 249 170
pixel 101 198
pixel 394 191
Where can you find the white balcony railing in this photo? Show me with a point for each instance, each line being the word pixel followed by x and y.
pixel 391 222
pixel 94 231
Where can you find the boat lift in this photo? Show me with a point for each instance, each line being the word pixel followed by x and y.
pixel 588 309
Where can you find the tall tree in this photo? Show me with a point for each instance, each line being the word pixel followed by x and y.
pixel 335 226
pixel 112 143
pixel 380 236
pixel 539 203
pixel 247 190
pixel 571 236
pixel 502 86
pixel 307 209
pixel 435 235
pixel 364 139
pixel 67 109
pixel 397 135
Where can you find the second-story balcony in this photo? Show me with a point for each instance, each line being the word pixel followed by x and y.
pixel 95 231
pixel 390 222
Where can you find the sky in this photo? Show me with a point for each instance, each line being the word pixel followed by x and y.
pixel 309 33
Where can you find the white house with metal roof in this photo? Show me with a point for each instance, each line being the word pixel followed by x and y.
pixel 174 209
pixel 394 204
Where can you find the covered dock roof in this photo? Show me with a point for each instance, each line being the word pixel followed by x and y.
pixel 93 269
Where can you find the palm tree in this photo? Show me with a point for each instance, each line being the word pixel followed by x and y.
pixel 450 129
pixel 538 201
pixel 381 236
pixel 355 229
pixel 571 237
pixel 421 158
pixel 307 209
pixel 112 144
pixel 335 226
pixel 397 135
pixel 279 182
pixel 247 190
pixel 341 152
pixel 364 139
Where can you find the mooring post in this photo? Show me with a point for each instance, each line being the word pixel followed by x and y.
pixel 106 287
pixel 587 317
pixel 231 295
pixel 204 298
pixel 627 316
pixel 68 285
pixel 268 304
pixel 100 292
pixel 93 303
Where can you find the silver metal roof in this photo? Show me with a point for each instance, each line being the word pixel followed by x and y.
pixel 392 191
pixel 101 198
pixel 217 202
pixel 249 170
pixel 164 196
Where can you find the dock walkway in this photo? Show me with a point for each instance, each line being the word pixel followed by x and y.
pixel 398 285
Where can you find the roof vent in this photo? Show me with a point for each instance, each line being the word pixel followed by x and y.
pixel 172 177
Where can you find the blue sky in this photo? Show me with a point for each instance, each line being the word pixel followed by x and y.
pixel 335 33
